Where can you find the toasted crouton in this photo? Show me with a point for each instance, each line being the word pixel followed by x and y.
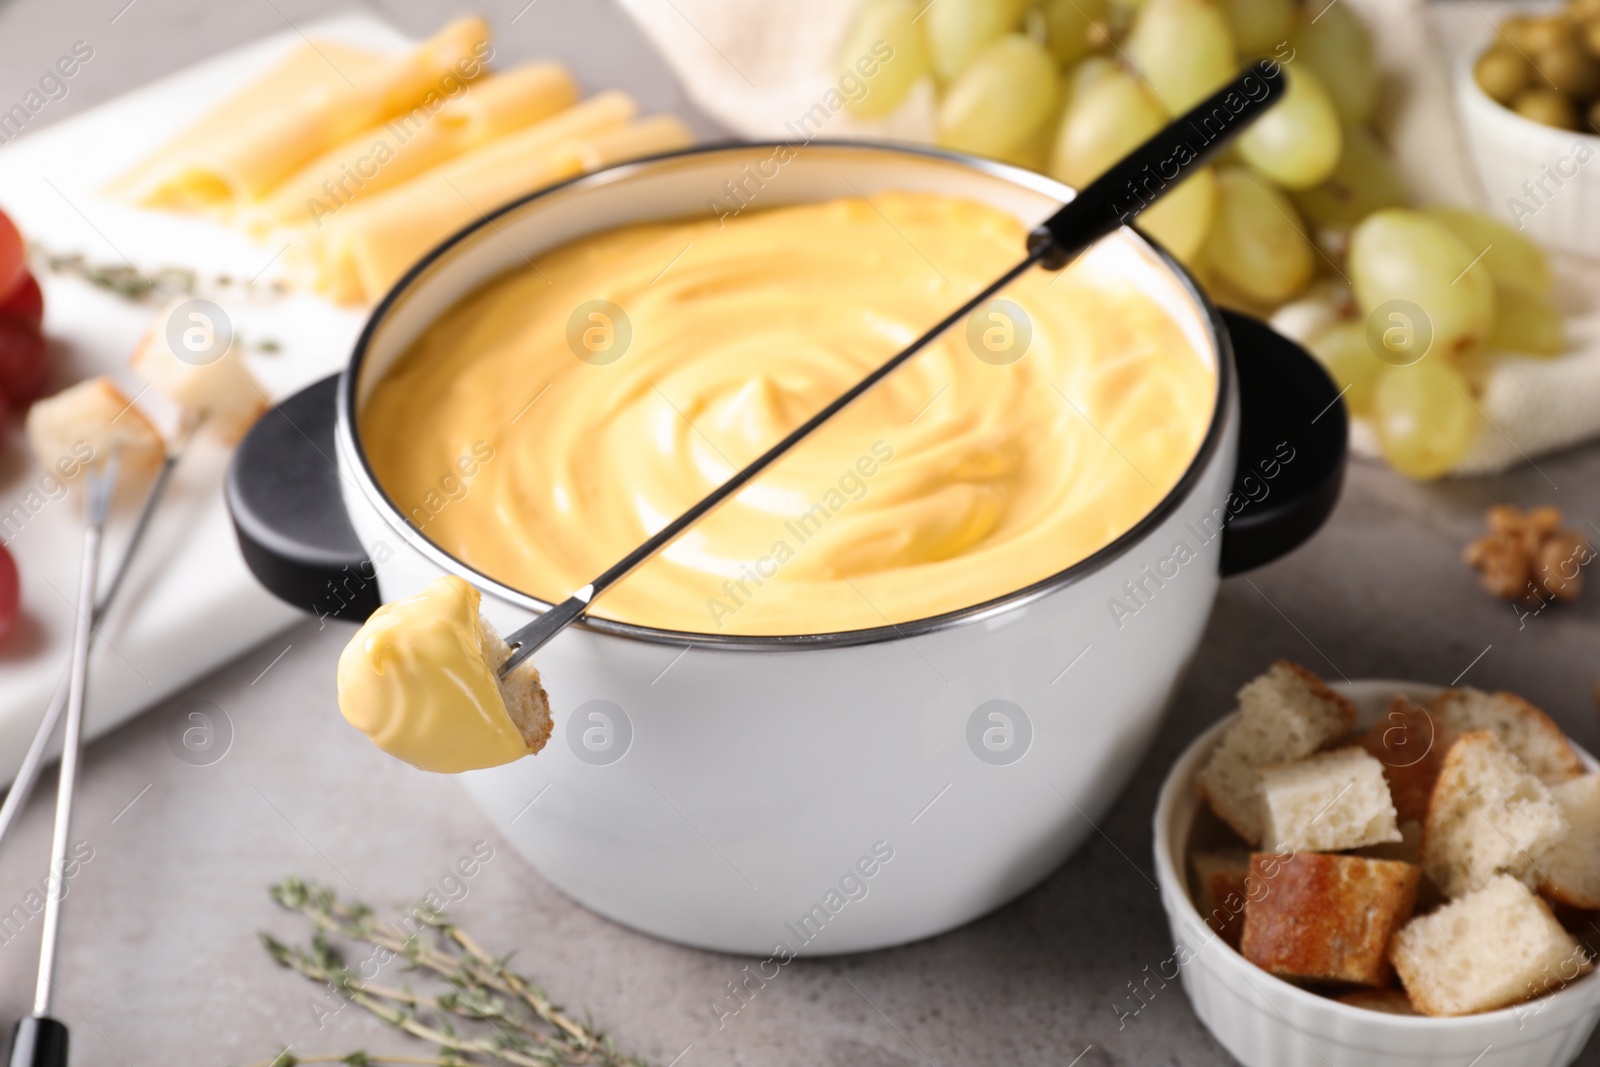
pixel 1219 891
pixel 84 424
pixel 1495 946
pixel 1326 917
pixel 1528 732
pixel 1328 802
pixel 1285 714
pixel 216 391
pixel 1488 816
pixel 522 690
pixel 1392 1001
pixel 1407 742
pixel 1570 870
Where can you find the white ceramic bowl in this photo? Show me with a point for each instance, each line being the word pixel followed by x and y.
pixel 1537 179
pixel 1267 1022
pixel 830 792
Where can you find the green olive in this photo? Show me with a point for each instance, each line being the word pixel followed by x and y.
pixel 1502 73
pixel 1570 69
pixel 1514 32
pixel 1546 106
pixel 1545 33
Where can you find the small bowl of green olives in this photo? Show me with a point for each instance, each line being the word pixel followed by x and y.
pixel 1530 103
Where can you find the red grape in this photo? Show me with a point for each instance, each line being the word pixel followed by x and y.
pixel 26 302
pixel 10 593
pixel 13 255
pixel 23 362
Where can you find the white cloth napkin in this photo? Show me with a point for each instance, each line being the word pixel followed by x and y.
pixel 761 69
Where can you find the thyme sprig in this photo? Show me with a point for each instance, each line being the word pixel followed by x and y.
pixel 510 1018
pixel 145 286
pixel 166 283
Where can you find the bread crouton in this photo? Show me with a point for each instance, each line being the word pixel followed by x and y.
pixel 522 689
pixel 1570 871
pixel 1325 917
pixel 215 390
pixel 1407 742
pixel 1526 731
pixel 1392 1001
pixel 1488 816
pixel 1285 714
pixel 85 423
pixel 1328 802
pixel 1219 891
pixel 1495 946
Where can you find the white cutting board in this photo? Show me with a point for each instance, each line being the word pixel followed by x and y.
pixel 189 604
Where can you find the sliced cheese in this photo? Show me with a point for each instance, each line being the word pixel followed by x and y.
pixel 359 253
pixel 383 156
pixel 383 254
pixel 307 69
pixel 240 163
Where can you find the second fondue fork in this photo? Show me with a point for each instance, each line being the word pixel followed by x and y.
pixel 1108 203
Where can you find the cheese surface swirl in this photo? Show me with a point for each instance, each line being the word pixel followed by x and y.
pixel 559 415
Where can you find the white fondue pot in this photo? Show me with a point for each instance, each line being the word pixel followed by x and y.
pixel 831 792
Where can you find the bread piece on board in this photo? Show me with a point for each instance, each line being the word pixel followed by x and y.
pixel 85 423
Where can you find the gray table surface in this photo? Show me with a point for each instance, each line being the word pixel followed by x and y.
pixel 160 959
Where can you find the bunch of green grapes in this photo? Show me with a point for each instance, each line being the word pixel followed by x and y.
pixel 1306 214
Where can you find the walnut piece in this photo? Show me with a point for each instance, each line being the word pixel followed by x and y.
pixel 1527 556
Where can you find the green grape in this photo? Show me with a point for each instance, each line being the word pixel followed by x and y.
pixel 1259 26
pixel 1086 73
pixel 1397 254
pixel 1333 43
pixel 1365 180
pixel 1255 243
pixel 1425 417
pixel 1296 142
pixel 1006 93
pixel 884 28
pixel 1181 218
pixel 1526 322
pixel 958 29
pixel 1184 49
pixel 1511 259
pixel 1343 352
pixel 1068 26
pixel 1109 118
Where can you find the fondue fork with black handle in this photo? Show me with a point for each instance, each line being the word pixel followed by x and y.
pixel 1108 203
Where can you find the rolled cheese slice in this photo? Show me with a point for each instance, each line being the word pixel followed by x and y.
pixel 241 163
pixel 408 144
pixel 368 249
pixel 421 679
pixel 310 68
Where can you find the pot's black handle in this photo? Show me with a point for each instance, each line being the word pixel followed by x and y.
pixel 1293 436
pixel 283 494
